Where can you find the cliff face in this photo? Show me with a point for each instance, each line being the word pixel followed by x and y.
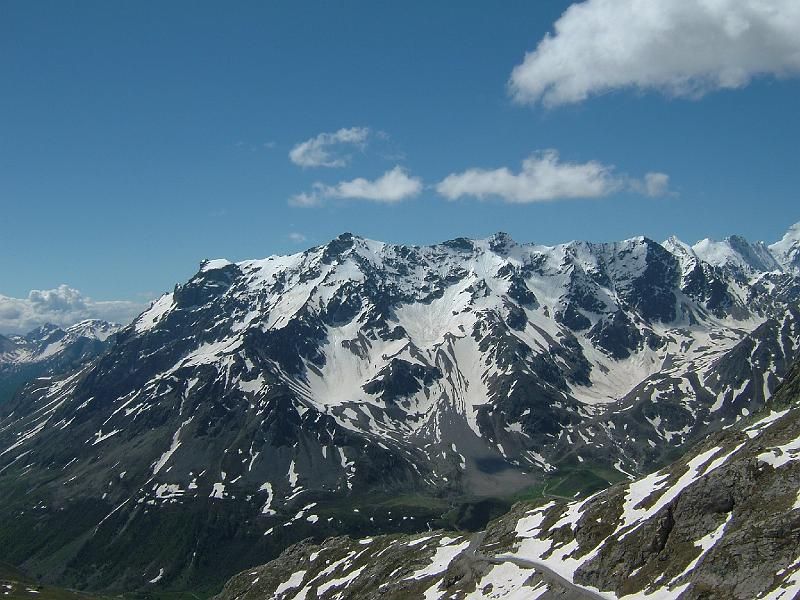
pixel 723 522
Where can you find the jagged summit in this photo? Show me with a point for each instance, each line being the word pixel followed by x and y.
pixel 734 251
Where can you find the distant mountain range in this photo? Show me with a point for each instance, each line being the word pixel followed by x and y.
pixel 362 387
pixel 50 349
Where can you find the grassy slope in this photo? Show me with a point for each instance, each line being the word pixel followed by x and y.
pixel 15 585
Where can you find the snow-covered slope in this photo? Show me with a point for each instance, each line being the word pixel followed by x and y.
pixel 737 253
pixel 723 522
pixel 476 367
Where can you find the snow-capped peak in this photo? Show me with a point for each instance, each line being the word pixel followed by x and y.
pixel 683 252
pixel 737 252
pixel 675 245
pixel 787 250
pixel 211 265
pixel 95 329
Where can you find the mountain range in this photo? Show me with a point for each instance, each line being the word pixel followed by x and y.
pixel 50 349
pixel 363 388
pixel 721 522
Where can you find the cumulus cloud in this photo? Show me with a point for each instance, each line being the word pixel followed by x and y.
pixel 545 177
pixel 61 306
pixel 679 47
pixel 393 186
pixel 327 149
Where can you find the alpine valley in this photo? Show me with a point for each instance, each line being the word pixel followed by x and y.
pixel 364 388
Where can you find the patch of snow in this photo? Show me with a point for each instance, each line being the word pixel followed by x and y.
pixel 441 560
pixel 158 577
pixel 266 510
pixel 294 581
pixel 218 491
pixel 172 448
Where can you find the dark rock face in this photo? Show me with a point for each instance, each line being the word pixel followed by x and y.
pixel 400 379
pixel 652 294
pixel 617 335
pixel 573 318
pixel 704 284
pixel 264 402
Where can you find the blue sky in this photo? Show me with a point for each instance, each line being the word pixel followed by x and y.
pixel 138 138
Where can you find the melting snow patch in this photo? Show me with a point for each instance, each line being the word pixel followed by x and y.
pixel 158 577
pixel 759 426
pixel 294 581
pixel 169 490
pixel 266 510
pixel 100 436
pixel 440 561
pixel 721 460
pixel 218 491
pixel 642 489
pixel 618 467
pixel 780 455
pixel 172 448
pixel 342 581
pixel 507 581
pixel 420 540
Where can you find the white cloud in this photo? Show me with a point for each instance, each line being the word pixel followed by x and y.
pixel 544 177
pixel 325 149
pixel 391 187
pixel 61 306
pixel 308 199
pixel 656 184
pixel 297 238
pixel 680 47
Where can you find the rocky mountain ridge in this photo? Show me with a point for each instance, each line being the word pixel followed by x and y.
pixel 352 387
